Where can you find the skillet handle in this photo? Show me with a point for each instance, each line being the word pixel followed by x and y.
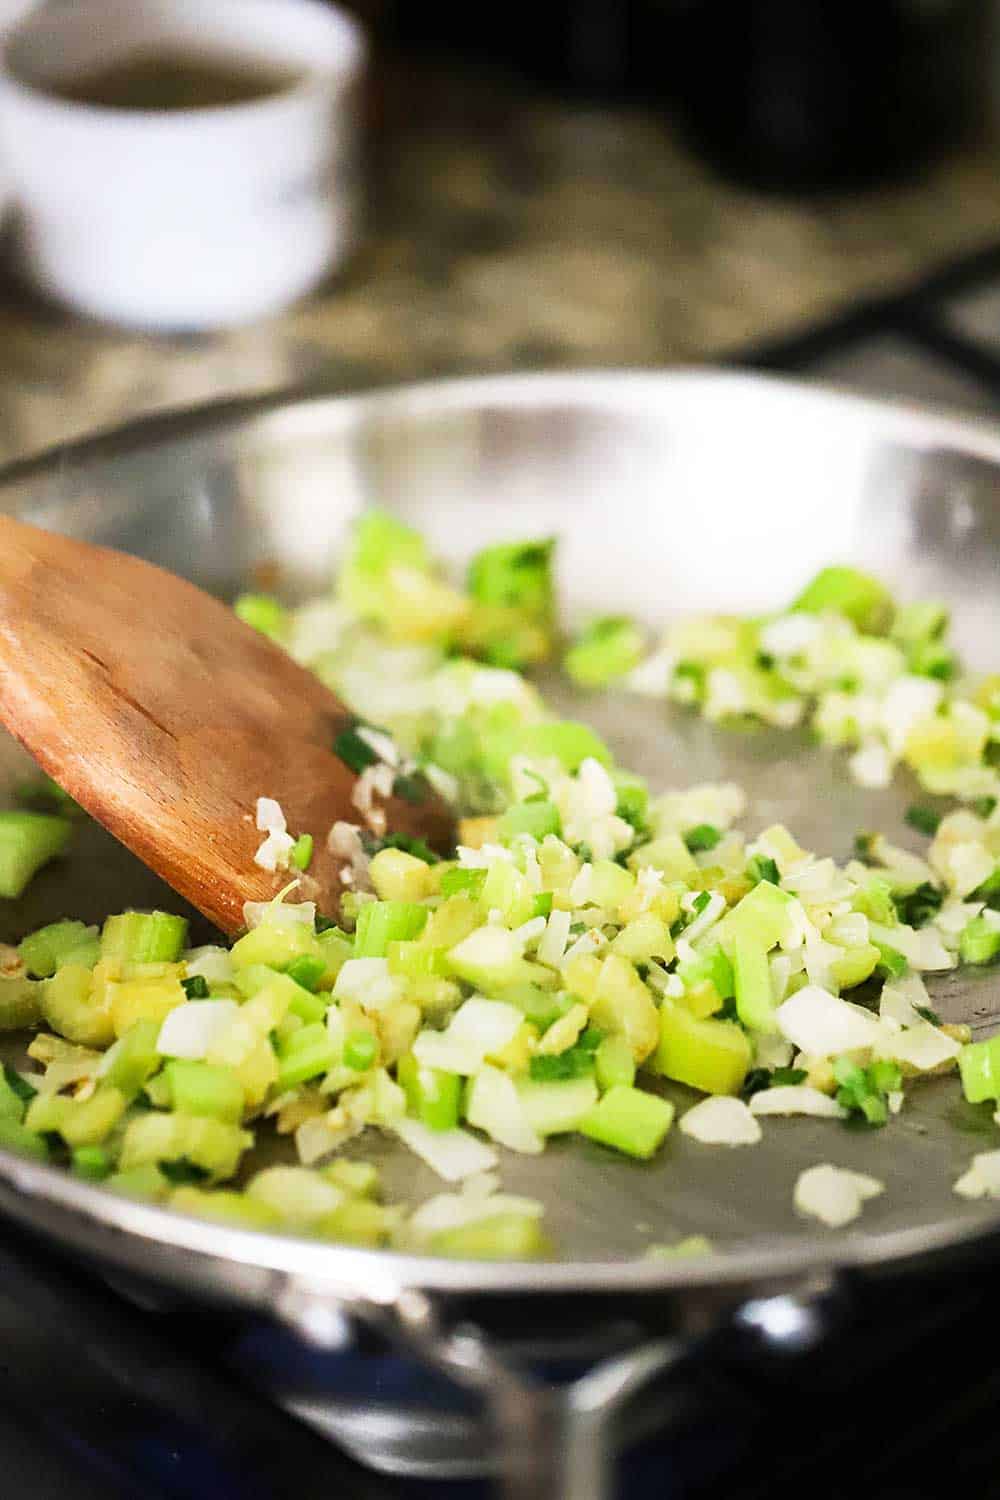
pixel 550 1440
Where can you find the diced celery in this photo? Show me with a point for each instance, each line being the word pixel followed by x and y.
pixel 564 740
pixel 307 971
pixel 301 852
pixel 614 1063
pixel 144 937
pixel 874 900
pixel 535 818
pixel 413 960
pixel 609 884
pixel 629 1120
pixel 979 942
pixel 379 542
pixel 706 1053
pixel 606 650
pixel 919 621
pixel 509 892
pixel 335 948
pixel 138 1000
pixel 857 965
pixel 762 916
pixel 559 1106
pixel 540 1007
pixel 979 1065
pixel 645 937
pixel 43 951
pixel 489 958
pixel 891 963
pixel 752 983
pixel 276 946
pixel 516 574
pixel 90 1121
pixel 848 591
pixel 18 1138
pixel 145 1181
pixel 20 1003
pixel 224 1206
pixel 356 1221
pixel 299 1195
pixel 28 840
pixel 133 1059
pixel 359 1178
pixel 75 1008
pixel 712 965
pixel 46 1113
pixel 264 613
pixel 457 879
pixel 200 1088
pixel 453 921
pixel 361 1050
pixel 308 1007
pixel 432 1095
pixel 622 1004
pixel 12 1103
pixel 506 1236
pixel 383 922
pixel 669 854
pixel 398 876
pixel 93 1163
pixel 212 1145
pixel 307 1053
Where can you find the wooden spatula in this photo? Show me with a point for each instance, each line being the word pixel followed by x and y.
pixel 166 718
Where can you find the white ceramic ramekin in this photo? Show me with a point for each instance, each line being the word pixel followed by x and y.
pixel 193 219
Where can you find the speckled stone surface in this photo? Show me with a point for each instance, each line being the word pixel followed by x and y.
pixel 508 231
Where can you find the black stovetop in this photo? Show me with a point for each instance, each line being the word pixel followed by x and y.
pixel 101 1398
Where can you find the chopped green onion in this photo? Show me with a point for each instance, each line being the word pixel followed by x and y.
pixel 926 1014
pixel 979 1065
pixel 517 575
pixel 301 852
pixel 705 836
pixel 983 807
pixel 542 906
pixel 196 988
pixel 45 795
pixel 760 867
pixel 28 840
pixel 919 906
pixel 891 963
pixel 17 1083
pixel 410 787
pixel 403 841
pixel 360 1051
pixel 355 752
pixel 923 819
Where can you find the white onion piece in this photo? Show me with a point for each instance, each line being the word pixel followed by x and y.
pixel 796 1099
pixel 452 1154
pixel 824 1025
pixel 834 1195
pixel 721 1121
pixel 270 818
pixel 190 1030
pixel 368 983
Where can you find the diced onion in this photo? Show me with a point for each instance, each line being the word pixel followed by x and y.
pixel 796 1099
pixel 270 818
pixel 834 1195
pixel 190 1030
pixel 368 983
pixel 721 1121
pixel 824 1025
pixel 452 1154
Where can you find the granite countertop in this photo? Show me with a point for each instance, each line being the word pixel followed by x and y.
pixel 511 231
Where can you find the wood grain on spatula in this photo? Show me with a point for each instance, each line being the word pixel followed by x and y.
pixel 166 717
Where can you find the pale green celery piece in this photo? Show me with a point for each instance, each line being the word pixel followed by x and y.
pixel 28 841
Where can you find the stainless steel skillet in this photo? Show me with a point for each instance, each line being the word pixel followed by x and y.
pixel 668 492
